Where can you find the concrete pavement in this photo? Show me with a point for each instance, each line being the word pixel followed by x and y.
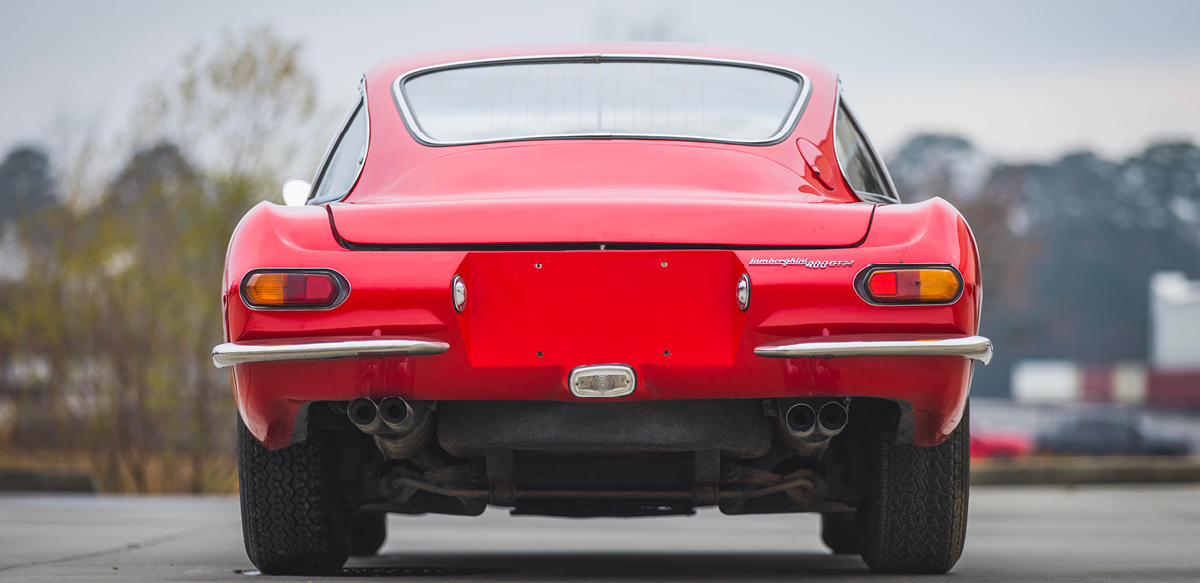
pixel 1132 533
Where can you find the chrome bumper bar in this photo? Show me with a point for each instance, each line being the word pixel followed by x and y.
pixel 974 347
pixel 232 353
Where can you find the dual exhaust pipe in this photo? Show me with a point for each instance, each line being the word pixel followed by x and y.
pixel 829 420
pixel 391 415
pixel 807 426
pixel 400 428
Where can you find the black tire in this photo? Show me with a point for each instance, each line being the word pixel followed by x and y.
pixel 292 519
pixel 916 514
pixel 840 532
pixel 368 531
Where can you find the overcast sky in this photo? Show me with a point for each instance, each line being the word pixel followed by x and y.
pixel 1023 80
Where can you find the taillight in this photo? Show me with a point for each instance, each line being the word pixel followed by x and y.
pixel 293 289
pixel 911 285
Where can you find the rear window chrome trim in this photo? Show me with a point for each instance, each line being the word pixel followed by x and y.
pixel 327 158
pixel 414 128
pixel 892 197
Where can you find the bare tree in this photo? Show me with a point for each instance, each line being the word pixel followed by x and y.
pixel 120 297
pixel 244 107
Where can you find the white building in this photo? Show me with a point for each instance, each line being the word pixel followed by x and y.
pixel 1174 322
pixel 1171 378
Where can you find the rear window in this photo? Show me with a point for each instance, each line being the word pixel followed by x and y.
pixel 601 97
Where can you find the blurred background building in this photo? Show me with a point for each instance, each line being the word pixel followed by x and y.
pixel 1169 378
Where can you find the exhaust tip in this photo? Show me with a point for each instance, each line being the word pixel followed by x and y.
pixel 363 413
pixel 396 413
pixel 832 418
pixel 800 419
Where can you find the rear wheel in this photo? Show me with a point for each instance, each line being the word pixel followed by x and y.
pixel 916 515
pixel 292 519
pixel 840 532
pixel 368 531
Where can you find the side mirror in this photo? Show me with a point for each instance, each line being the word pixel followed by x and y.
pixel 295 191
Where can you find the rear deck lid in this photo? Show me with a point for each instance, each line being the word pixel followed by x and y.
pixel 664 219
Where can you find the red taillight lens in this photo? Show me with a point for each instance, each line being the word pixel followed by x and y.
pixel 291 290
pixel 882 284
pixel 934 285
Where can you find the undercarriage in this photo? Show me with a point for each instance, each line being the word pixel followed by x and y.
pixel 647 458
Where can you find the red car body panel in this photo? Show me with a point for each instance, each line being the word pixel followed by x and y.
pixel 681 222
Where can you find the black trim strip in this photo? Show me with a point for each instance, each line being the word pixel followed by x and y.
pixel 577 246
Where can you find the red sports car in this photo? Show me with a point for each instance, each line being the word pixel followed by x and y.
pixel 602 280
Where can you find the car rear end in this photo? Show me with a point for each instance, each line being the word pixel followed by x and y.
pixel 697 322
pixel 606 327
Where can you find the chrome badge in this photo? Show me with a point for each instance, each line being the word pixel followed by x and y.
pixel 602 380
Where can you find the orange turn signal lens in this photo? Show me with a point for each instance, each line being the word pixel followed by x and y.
pixel 934 285
pixel 291 290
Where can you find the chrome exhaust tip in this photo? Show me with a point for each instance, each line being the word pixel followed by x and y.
pixel 800 420
pixel 400 431
pixel 364 414
pixel 832 418
pixel 397 415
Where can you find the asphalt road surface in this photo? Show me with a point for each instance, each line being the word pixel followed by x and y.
pixel 1015 534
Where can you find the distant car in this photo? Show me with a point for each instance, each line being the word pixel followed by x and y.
pixel 1108 431
pixel 1000 444
pixel 602 280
